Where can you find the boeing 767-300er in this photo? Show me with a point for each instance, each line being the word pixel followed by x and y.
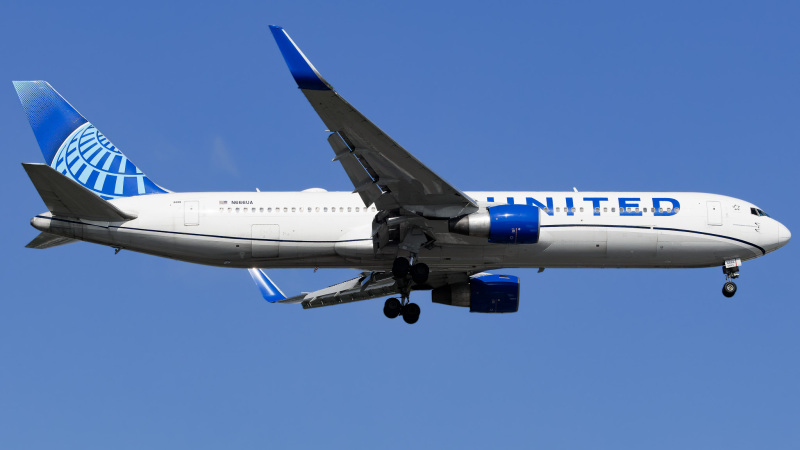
pixel 403 226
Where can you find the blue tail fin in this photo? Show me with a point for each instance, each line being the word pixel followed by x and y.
pixel 74 147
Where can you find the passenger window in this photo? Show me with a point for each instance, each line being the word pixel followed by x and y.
pixel 325 209
pixel 294 209
pixel 677 210
pixel 613 209
pixel 222 210
pixel 597 210
pixel 373 209
pixel 229 209
pixel 581 208
pixel 349 209
pixel 637 209
pixel 268 209
pixel 356 208
pixel 558 209
pixel 237 210
pixel 605 209
pixel 317 209
pixel 669 210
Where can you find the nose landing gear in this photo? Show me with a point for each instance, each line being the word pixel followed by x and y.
pixel 731 271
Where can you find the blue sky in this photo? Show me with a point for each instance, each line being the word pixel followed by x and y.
pixel 133 351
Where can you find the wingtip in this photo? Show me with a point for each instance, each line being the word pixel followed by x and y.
pixel 269 290
pixel 305 74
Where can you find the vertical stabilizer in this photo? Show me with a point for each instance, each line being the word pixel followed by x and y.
pixel 75 148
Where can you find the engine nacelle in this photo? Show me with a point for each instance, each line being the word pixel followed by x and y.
pixel 503 224
pixel 483 293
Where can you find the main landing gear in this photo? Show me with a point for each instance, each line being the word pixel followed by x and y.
pixel 731 271
pixel 403 269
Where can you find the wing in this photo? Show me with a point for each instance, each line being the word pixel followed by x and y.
pixel 367 286
pixel 381 171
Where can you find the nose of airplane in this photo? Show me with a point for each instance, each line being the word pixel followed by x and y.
pixel 783 235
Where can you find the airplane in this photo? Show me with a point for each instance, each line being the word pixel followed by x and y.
pixel 403 226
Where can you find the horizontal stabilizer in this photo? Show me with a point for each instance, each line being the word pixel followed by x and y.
pixel 65 197
pixel 48 240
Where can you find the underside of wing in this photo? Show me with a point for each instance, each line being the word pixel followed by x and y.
pixel 382 171
pixel 364 287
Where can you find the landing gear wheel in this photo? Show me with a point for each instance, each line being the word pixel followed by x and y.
pixel 729 289
pixel 411 313
pixel 400 267
pixel 392 308
pixel 419 273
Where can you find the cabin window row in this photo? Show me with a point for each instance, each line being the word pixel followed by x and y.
pixel 295 209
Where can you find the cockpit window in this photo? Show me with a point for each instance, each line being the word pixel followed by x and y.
pixel 758 212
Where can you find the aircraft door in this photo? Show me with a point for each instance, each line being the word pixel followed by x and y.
pixel 191 213
pixel 266 240
pixel 714 213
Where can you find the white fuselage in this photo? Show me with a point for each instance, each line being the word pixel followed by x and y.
pixel 333 229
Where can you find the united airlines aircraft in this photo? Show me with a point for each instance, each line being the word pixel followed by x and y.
pixel 403 226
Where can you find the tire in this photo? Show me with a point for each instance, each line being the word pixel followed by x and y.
pixel 400 267
pixel 411 313
pixel 419 273
pixel 729 289
pixel 392 308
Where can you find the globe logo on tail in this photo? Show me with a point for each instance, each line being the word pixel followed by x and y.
pixel 89 158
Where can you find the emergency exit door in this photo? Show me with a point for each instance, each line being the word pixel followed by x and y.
pixel 714 213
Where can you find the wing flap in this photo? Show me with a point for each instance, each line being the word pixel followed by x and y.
pixel 365 287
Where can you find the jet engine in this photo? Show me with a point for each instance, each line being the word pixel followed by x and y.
pixel 503 224
pixel 482 293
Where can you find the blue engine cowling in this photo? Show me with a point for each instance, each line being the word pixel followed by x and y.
pixel 483 293
pixel 502 224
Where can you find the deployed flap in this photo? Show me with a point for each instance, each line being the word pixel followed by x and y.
pixel 390 176
pixel 48 240
pixel 364 287
pixel 65 197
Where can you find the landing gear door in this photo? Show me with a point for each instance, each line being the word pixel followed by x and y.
pixel 714 213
